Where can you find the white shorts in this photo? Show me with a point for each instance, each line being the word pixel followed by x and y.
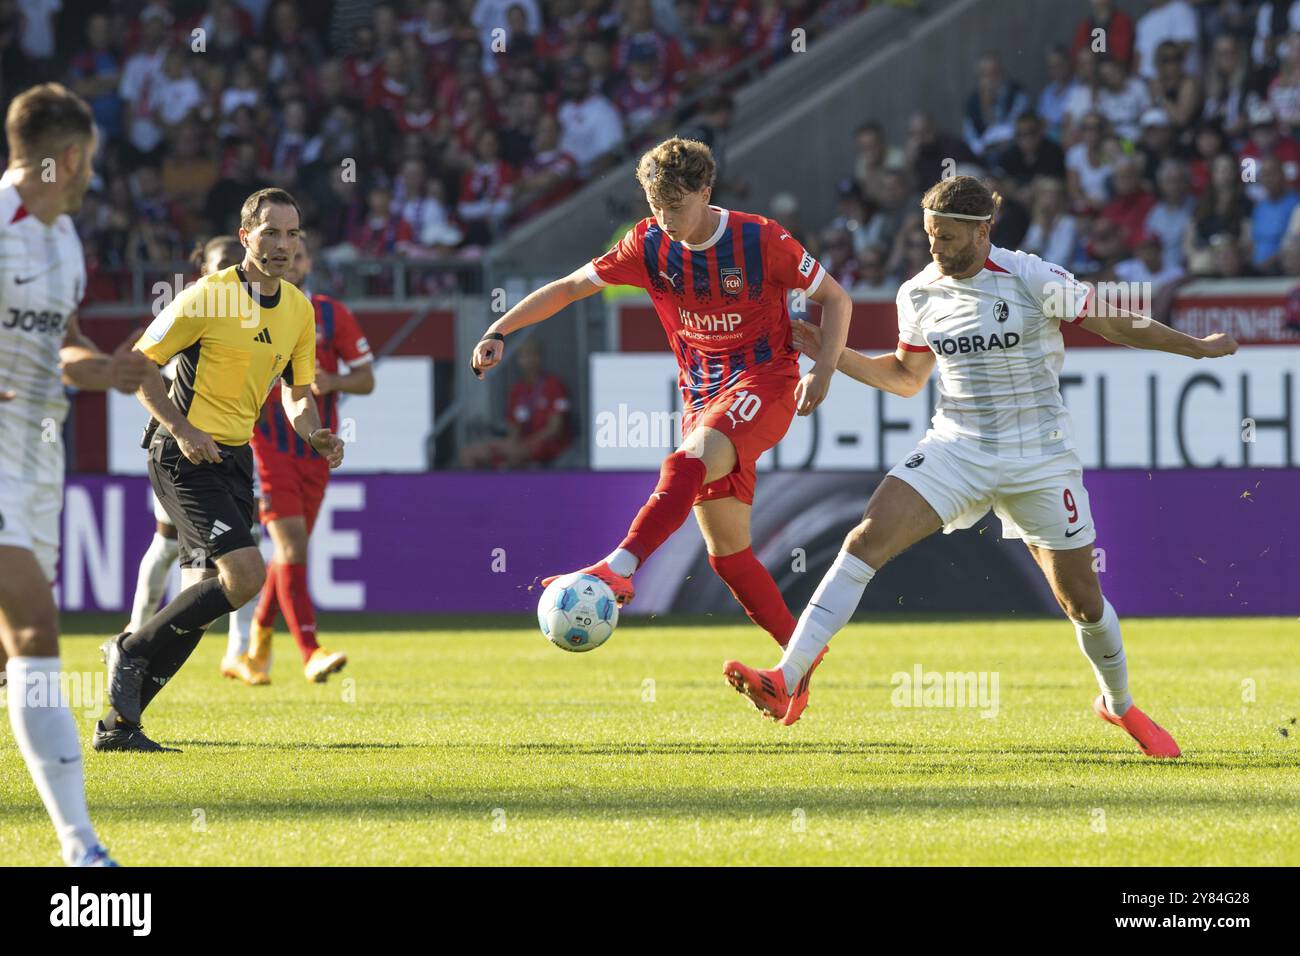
pixel 1041 500
pixel 29 518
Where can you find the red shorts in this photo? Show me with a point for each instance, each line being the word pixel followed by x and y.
pixel 755 414
pixel 292 486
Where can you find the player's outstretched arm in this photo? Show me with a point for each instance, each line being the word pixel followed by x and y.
pixel 82 365
pixel 358 381
pixel 1137 331
pixel 300 409
pixel 537 306
pixel 837 310
pixel 903 373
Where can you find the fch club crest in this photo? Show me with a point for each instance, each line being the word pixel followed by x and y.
pixel 733 280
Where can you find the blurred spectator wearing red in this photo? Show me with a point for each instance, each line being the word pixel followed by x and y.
pixel 537 419
pixel 1130 200
pixel 1268 142
pixel 383 229
pixel 1116 38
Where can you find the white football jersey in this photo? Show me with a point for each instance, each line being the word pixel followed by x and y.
pixel 42 278
pixel 997 339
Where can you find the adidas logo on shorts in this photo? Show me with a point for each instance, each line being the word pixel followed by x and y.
pixel 218 528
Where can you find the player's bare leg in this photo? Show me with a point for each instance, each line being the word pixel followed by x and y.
pixel 706 455
pixel 724 523
pixel 1074 582
pixel 42 724
pixel 896 518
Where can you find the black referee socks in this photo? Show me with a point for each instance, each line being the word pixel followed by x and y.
pixel 166 663
pixel 182 620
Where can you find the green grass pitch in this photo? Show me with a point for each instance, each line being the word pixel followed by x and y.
pixel 471 742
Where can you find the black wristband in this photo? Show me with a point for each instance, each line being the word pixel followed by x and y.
pixel 493 335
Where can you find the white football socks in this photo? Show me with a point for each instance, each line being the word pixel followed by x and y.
pixel 623 563
pixel 151 579
pixel 47 737
pixel 241 623
pixel 1102 645
pixel 241 619
pixel 832 604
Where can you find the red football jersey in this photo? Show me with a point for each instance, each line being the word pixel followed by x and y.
pixel 338 337
pixel 722 302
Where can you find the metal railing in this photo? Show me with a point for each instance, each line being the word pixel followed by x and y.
pixel 396 279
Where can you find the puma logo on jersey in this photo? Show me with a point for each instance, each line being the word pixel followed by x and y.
pixel 264 337
pixel 965 344
pixel 673 280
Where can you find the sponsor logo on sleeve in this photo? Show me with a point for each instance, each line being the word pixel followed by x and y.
pixel 160 326
pixel 806 265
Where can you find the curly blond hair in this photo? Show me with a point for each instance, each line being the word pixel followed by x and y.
pixel 674 168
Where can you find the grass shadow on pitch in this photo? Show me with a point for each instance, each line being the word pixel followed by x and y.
pixel 913 758
pixel 291 745
pixel 723 802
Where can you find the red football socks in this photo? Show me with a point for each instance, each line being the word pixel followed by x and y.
pixel 268 605
pixel 680 480
pixel 295 605
pixel 753 587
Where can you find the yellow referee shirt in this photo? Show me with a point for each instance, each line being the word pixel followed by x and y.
pixel 233 344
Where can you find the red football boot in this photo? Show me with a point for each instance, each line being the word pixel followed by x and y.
pixel 1152 739
pixel 621 586
pixel 799 701
pixel 765 689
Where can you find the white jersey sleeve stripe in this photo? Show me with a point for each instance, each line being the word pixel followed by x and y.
pixel 816 279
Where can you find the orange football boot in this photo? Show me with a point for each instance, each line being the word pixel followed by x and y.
pixel 242 668
pixel 621 586
pixel 322 663
pixel 1152 739
pixel 799 701
pixel 765 689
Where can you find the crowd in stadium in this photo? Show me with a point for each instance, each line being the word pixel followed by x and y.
pixel 1163 147
pixel 462 117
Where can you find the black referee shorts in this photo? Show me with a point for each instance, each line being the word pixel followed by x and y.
pixel 211 504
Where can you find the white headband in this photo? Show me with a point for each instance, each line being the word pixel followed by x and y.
pixel 958 215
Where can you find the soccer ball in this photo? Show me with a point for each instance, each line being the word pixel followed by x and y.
pixel 577 612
